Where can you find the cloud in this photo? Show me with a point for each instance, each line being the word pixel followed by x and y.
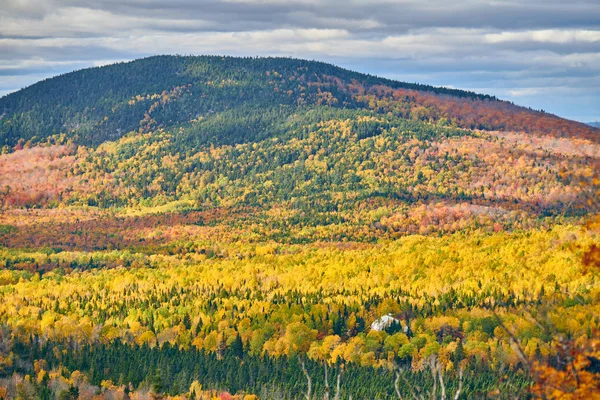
pixel 522 50
pixel 546 36
pixel 524 92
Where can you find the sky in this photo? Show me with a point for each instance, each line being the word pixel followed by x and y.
pixel 543 54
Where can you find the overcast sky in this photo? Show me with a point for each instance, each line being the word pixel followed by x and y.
pixel 539 53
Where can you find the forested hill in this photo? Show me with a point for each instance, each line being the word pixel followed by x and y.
pixel 208 227
pixel 281 149
pixel 104 103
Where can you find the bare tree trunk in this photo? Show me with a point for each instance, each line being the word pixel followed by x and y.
pixel 437 373
pixel 337 387
pixel 441 377
pixel 397 385
pixel 309 390
pixel 433 369
pixel 460 384
pixel 326 396
pixel 409 386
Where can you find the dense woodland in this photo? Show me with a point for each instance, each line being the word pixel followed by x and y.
pixel 208 227
pixel 265 302
pixel 99 104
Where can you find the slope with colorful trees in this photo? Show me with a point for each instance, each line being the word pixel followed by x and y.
pixel 214 227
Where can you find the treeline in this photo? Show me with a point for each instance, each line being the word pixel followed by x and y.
pixel 168 370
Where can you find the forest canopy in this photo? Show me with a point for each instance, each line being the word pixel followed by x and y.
pixel 219 227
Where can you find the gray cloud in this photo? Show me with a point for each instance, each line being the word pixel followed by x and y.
pixel 539 53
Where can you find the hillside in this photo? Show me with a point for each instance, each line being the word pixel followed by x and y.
pixel 99 104
pixel 200 226
pixel 290 144
pixel 104 103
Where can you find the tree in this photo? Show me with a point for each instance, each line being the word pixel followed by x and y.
pixel 299 337
pixel 72 393
pixel 237 347
pixel 157 385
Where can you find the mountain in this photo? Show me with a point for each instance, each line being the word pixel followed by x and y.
pixel 104 103
pixel 241 140
pixel 219 227
pixel 594 124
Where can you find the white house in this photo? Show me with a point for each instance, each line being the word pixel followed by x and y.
pixel 383 322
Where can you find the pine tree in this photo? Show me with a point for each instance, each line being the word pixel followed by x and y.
pixel 459 353
pixel 237 347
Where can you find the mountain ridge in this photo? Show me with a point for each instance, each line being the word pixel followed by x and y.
pixel 287 151
pixel 103 103
pixel 412 85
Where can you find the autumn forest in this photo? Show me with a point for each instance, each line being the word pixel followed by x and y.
pixel 271 228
